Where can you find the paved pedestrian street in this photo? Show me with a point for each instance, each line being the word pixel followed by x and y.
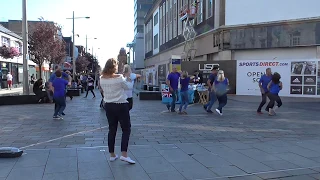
pixel 167 146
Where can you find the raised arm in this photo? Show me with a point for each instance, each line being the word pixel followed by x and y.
pixel 269 85
pixel 127 84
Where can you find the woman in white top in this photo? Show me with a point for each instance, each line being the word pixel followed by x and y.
pixel 127 72
pixel 116 105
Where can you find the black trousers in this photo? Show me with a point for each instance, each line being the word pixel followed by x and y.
pixel 118 113
pixel 263 101
pixel 274 98
pixel 130 100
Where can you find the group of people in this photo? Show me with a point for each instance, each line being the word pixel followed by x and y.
pixel 218 88
pixel 270 86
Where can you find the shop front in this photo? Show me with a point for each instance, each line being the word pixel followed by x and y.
pixel 300 78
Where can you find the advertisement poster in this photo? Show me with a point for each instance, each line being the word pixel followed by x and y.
pixel 175 63
pixel 299 77
pixel 162 73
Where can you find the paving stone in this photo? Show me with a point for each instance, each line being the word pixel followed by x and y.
pixel 228 171
pixel 297 172
pixel 175 155
pixel 58 165
pixel 259 155
pixel 155 165
pixel 32 160
pixel 273 175
pixel 172 175
pixel 192 148
pixel 26 173
pixel 144 152
pixel 245 178
pixel 236 145
pixel 122 170
pixel 280 165
pixel 211 160
pixel 193 170
pixel 303 177
pixel 61 176
pixel 296 159
pixel 316 176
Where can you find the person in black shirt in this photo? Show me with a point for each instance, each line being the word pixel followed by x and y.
pixel 198 77
pixel 37 90
pixel 90 82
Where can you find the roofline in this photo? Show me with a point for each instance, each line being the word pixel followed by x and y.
pixel 10 33
pixel 280 22
pixel 155 4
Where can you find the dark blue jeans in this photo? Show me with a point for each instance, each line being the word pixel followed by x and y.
pixel 222 101
pixel 60 105
pixel 184 100
pixel 212 100
pixel 174 99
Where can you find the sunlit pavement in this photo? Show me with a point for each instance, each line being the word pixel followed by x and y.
pixel 238 145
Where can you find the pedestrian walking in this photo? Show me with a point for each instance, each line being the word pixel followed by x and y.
pixel 212 95
pixel 220 87
pixel 59 88
pixel 90 82
pixel 9 80
pixel 263 85
pixel 274 87
pixel 127 72
pixel 116 105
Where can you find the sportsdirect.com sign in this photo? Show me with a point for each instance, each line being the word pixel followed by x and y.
pixel 299 77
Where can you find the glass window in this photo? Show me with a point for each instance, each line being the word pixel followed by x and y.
pixel 155 19
pixel 209 8
pixel 155 42
pixel 200 11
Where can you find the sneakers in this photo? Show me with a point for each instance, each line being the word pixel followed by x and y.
pixel 271 112
pixel 219 112
pixel 182 112
pixel 122 158
pixel 209 111
pixel 114 158
pixel 57 117
pixel 259 112
pixel 127 159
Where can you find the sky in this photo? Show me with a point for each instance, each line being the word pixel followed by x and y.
pixel 111 21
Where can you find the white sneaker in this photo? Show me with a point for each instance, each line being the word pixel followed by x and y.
pixel 127 159
pixel 274 109
pixel 218 111
pixel 271 112
pixel 114 158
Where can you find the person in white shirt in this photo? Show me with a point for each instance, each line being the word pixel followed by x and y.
pixel 127 72
pixel 116 105
pixel 9 80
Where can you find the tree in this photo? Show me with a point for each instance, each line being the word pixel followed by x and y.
pixel 93 62
pixel 45 44
pixel 9 52
pixel 58 53
pixel 81 64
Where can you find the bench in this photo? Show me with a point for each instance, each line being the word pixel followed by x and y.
pixel 18 100
pixel 74 91
pixel 150 95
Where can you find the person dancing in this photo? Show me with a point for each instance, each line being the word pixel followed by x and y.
pixel 274 87
pixel 220 87
pixel 116 105
pixel 184 82
pixel 128 73
pixel 263 85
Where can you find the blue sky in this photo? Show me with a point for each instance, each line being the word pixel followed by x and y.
pixel 111 21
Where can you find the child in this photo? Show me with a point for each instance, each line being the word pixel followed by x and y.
pixel 184 81
pixel 59 89
pixel 274 88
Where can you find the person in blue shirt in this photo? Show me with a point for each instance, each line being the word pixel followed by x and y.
pixel 173 82
pixel 53 77
pixel 59 92
pixel 184 82
pixel 274 87
pixel 212 95
pixel 220 87
pixel 263 85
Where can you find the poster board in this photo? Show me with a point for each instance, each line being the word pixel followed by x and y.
pixel 300 78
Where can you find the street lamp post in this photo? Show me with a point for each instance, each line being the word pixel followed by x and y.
pixel 25 48
pixel 74 46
